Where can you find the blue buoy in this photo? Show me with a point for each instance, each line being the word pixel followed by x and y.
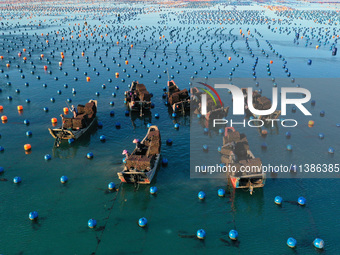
pixel 153 190
pixel 102 138
pixel 2 170
pixel 2 149
pixel 33 215
pixel 309 62
pixel 47 157
pixel 176 126
pixel 221 131
pixel 312 102
pixel 100 124
pixel 63 179
pixel 45 109
pixel 331 150
pixel 142 222
pixel 319 243
pixel 164 161
pixel 148 125
pixel 199 116
pixel 92 223
pixel 111 186
pixel 205 147
pixel 127 113
pixel 233 234
pixel 278 200
pixel 112 113
pixel 321 135
pixel 301 201
pixel 201 195
pixel 201 234
pixel 169 142
pixel 26 122
pixel 221 192
pixel 29 133
pixel 206 130
pixel 322 113
pixel 288 134
pixel 17 179
pixel 71 140
pixel 157 115
pixel 89 155
pixel 219 148
pixel 291 242
pixel 289 147
pixel 174 115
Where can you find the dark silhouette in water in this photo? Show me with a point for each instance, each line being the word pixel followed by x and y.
pixel 235 243
pixel 292 202
pixel 3 179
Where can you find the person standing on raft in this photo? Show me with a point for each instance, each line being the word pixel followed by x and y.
pixel 74 111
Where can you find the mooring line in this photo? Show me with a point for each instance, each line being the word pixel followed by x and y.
pixel 107 219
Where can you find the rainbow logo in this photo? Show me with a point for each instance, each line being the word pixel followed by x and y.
pixel 209 93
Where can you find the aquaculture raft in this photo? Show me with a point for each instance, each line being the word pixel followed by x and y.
pixel 141 165
pixel 179 100
pixel 260 103
pixel 236 153
pixel 74 128
pixel 138 98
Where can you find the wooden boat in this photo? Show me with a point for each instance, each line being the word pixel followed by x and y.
pixel 260 103
pixel 142 164
pixel 178 100
pixel 214 111
pixel 138 98
pixel 246 170
pixel 74 128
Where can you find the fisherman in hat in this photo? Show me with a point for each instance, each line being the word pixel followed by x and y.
pixel 74 111
pixel 139 146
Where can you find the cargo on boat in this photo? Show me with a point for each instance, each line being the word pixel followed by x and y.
pixel 178 100
pixel 214 108
pixel 142 164
pixel 246 169
pixel 138 98
pixel 260 103
pixel 75 127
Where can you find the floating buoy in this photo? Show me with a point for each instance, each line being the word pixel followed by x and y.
pixel 264 132
pixel 164 161
pixel 88 79
pixel 201 195
pixel 47 157
pixel 71 140
pixel 319 243
pixel 322 113
pixel 65 110
pixel 301 201
pixel 20 108
pixel 26 122
pixel 63 179
pixel 233 234
pixel 142 222
pixel 289 147
pixel 27 147
pixel 2 170
pixel 17 179
pixel 201 234
pixel 278 200
pixel 4 118
pixel 92 223
pixel 169 142
pixel 205 147
pixel 153 190
pixel 291 242
pixel 54 120
pixel 111 186
pixel 176 126
pixel 89 155
pixel 331 150
pixel 33 215
pixel 102 138
pixel 321 136
pixel 310 123
pixel 309 62
pixel 221 192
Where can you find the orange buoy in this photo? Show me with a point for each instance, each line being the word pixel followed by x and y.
pixel 8 65
pixel 126 62
pixel 1 108
pixel 47 41
pixel 45 68
pixel 24 50
pixel 20 108
pixel 60 63
pixel 42 55
pixel 54 120
pixel 27 147
pixel 4 118
pixel 83 53
pixel 271 61
pixel 19 54
pixel 88 79
pixel 310 123
pixel 229 58
pixel 65 110
pixel 131 45
pixel 24 58
pixel 117 74
pixel 1 57
pixel 117 42
pixel 317 46
pixel 264 132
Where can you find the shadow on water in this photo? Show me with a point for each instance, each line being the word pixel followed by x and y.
pixel 69 151
pixel 143 120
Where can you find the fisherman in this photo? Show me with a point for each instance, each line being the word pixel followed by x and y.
pixel 74 111
pixel 126 153
pixel 139 146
